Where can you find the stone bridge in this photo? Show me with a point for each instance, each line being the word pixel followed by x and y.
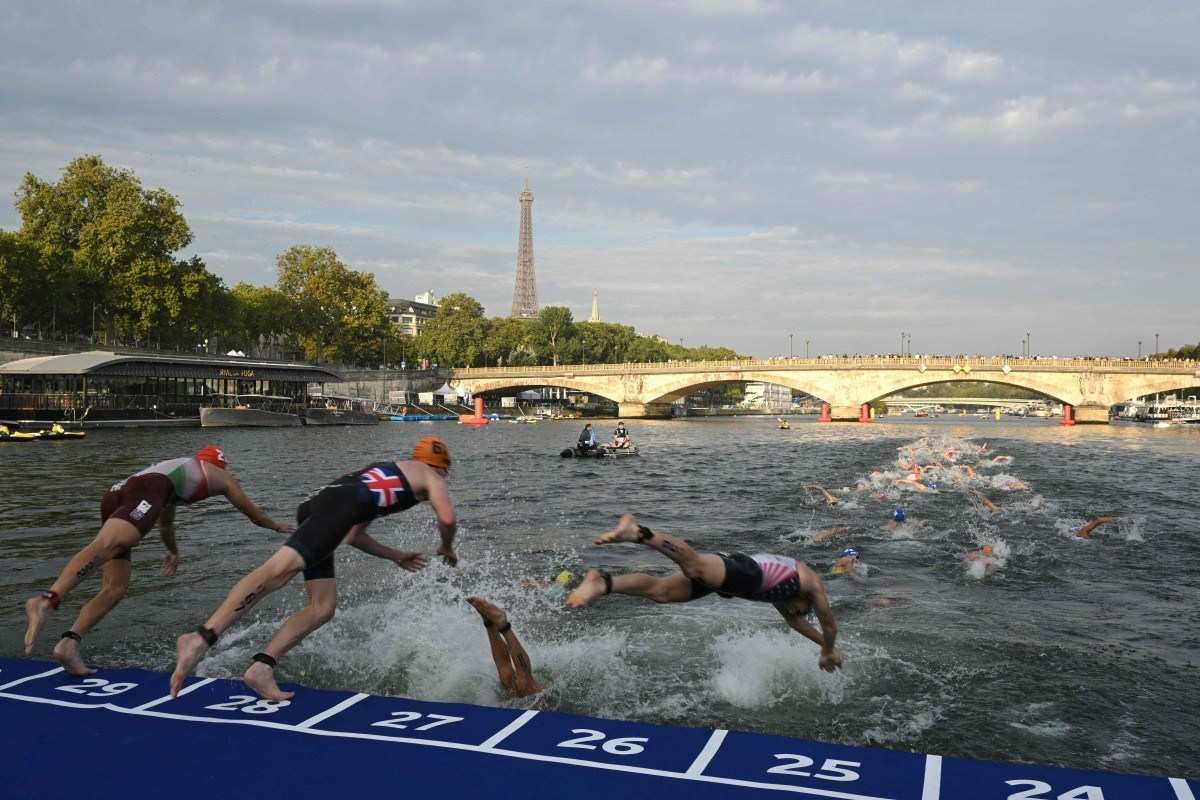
pixel 1085 386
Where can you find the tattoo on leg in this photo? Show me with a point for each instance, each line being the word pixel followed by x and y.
pixel 523 662
pixel 668 546
pixel 249 601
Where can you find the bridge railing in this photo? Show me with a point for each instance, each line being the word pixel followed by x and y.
pixel 965 363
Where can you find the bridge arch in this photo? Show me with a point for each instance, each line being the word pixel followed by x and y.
pixel 670 389
pixel 521 384
pixel 1015 381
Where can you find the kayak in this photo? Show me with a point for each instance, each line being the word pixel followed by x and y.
pixel 18 436
pixel 55 435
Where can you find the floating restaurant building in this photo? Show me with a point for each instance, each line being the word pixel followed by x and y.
pixel 131 387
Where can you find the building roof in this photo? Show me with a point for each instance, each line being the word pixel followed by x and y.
pixel 398 305
pixel 101 363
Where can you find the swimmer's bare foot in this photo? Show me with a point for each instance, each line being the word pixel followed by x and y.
pixel 592 587
pixel 626 531
pixel 36 608
pixel 489 611
pixel 189 649
pixel 261 679
pixel 66 652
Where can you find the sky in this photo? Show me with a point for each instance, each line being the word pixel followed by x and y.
pixel 753 174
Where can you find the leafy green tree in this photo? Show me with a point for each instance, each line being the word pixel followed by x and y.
pixel 554 327
pixel 603 342
pixel 102 237
pixel 260 319
pixel 646 349
pixel 457 334
pixel 507 339
pixel 338 312
pixel 22 291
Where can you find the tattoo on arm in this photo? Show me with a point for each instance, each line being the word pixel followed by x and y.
pixel 86 569
pixel 249 600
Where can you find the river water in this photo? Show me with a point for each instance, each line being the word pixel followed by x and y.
pixel 1074 652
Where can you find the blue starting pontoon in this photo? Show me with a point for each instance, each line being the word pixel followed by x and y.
pixel 119 734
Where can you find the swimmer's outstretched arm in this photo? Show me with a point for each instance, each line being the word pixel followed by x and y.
pixel 983 499
pixel 360 539
pixel 1087 529
pixel 829 498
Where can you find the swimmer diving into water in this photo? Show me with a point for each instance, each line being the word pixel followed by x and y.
pixel 128 511
pixel 340 511
pixel 512 662
pixel 792 587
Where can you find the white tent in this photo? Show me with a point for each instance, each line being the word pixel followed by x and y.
pixel 447 391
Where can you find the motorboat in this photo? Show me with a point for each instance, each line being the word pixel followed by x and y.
pixel 249 411
pixel 336 410
pixel 603 451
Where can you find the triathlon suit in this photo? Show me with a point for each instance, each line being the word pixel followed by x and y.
pixel 140 498
pixel 325 518
pixel 761 577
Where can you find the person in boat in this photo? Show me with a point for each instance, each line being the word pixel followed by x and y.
pixel 621 438
pixel 340 511
pixel 1086 530
pixel 513 666
pixel 128 511
pixel 791 586
pixel 587 439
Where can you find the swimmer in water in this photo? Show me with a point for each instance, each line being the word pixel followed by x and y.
pixel 562 582
pixel 1086 530
pixel 978 495
pixel 984 557
pixel 829 498
pixel 845 564
pixel 899 517
pixel 512 662
pixel 338 512
pixel 792 587
pixel 826 535
pixel 128 511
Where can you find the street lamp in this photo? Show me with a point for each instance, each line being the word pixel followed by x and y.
pixel 909 348
pixel 806 348
pixel 902 343
pixel 1028 345
pixel 1139 348
pixel 1156 344
pixel 790 353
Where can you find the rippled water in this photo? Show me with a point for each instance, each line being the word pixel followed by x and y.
pixel 1076 652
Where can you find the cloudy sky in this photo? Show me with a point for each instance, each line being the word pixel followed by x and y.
pixel 723 171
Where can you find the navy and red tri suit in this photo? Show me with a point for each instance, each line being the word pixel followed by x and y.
pixel 325 518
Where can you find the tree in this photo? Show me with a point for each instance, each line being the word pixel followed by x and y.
pixel 604 342
pixel 507 337
pixel 554 327
pixel 22 294
pixel 457 334
pixel 260 318
pixel 102 236
pixel 338 312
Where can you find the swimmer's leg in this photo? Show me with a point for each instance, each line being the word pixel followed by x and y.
pixel 274 573
pixel 512 662
pixel 320 608
pixel 115 535
pixel 704 567
pixel 675 588
pixel 114 584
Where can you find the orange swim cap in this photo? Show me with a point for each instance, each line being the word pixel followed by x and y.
pixel 432 451
pixel 987 549
pixel 213 455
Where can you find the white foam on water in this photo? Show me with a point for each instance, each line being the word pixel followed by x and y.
pixel 1051 728
pixel 1126 745
pixel 762 669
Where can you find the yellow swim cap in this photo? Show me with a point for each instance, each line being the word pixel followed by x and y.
pixel 563 578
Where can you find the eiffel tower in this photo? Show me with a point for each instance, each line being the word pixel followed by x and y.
pixel 525 303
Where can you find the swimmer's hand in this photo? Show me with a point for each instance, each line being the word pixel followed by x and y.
pixel 283 527
pixel 448 555
pixel 830 661
pixel 411 561
pixel 170 564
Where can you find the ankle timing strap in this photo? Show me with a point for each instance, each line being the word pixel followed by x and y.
pixel 505 628
pixel 644 533
pixel 71 635
pixel 53 597
pixel 208 635
pixel 607 581
pixel 263 658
